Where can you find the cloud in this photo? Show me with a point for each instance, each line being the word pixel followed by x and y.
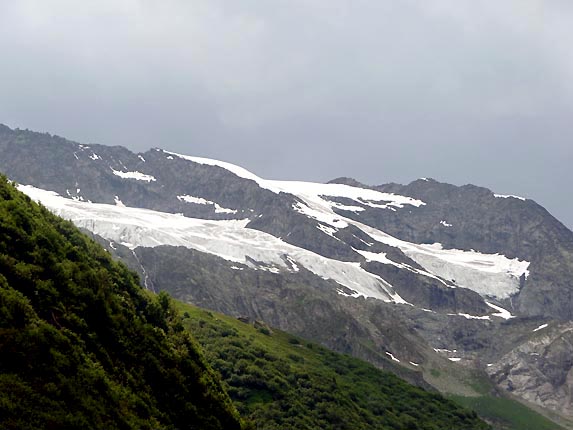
pixel 465 91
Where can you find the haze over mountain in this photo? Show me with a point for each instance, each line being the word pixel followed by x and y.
pixel 382 91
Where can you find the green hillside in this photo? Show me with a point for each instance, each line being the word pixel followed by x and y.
pixel 82 346
pixel 282 382
pixel 507 414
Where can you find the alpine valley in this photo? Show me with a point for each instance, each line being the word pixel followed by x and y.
pixel 453 288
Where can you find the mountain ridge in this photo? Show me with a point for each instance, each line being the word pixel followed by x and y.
pixel 497 252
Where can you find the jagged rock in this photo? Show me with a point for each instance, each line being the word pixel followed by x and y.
pixel 541 369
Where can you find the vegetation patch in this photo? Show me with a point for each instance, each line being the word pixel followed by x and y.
pixel 82 346
pixel 506 414
pixel 281 382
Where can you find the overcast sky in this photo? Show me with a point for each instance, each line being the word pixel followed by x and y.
pixel 463 91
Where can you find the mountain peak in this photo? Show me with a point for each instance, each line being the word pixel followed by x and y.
pixel 347 181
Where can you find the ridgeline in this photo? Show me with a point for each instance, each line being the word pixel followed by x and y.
pixel 83 346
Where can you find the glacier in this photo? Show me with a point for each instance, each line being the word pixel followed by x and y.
pixel 228 239
pixel 490 275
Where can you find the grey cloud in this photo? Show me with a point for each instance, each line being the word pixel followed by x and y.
pixel 459 90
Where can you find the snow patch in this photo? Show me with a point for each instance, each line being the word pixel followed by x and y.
pixel 502 313
pixel 141 158
pixel 328 230
pixel 508 196
pixel 138 176
pixel 380 258
pixel 119 203
pixel 472 317
pixel 293 264
pixel 541 327
pixel 389 354
pixel 445 223
pixel 454 359
pixel 444 350
pixel 200 201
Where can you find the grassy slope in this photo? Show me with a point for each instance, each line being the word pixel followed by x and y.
pixel 282 382
pixel 507 414
pixel 504 412
pixel 246 355
pixel 81 344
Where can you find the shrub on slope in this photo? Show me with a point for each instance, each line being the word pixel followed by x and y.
pixel 282 382
pixel 82 346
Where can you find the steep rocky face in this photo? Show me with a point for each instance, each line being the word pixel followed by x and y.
pixel 541 369
pixel 365 328
pixel 471 217
pixel 159 180
pixel 153 180
pixel 322 221
pixel 415 273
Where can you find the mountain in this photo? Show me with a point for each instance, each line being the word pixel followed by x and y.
pixel 82 345
pixel 424 279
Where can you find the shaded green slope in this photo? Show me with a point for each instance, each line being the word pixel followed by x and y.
pixel 282 382
pixel 82 346
pixel 507 414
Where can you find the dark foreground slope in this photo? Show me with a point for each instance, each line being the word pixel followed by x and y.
pixel 82 346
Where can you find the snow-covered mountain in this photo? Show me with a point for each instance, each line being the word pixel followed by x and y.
pixel 422 276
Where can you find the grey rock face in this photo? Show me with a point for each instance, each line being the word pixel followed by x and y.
pixel 471 217
pixel 440 314
pixel 541 369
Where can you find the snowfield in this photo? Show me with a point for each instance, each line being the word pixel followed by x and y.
pixel 228 239
pixel 491 275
